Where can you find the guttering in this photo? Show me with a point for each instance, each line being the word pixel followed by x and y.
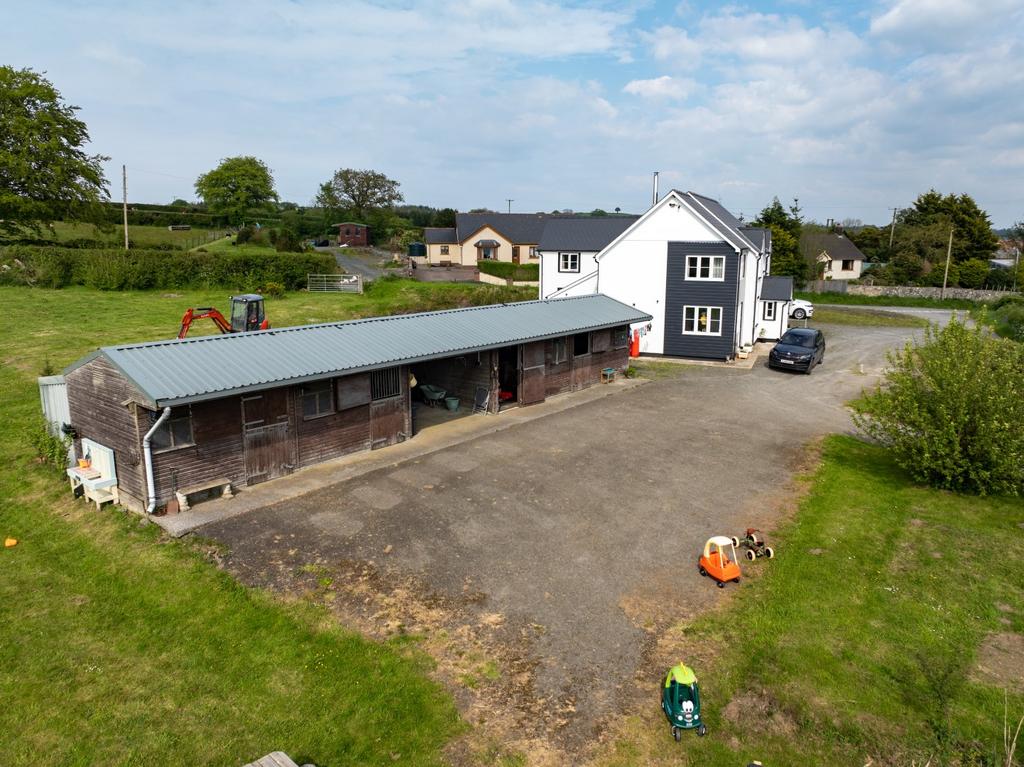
pixel 147 454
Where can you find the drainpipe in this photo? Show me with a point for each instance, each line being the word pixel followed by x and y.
pixel 148 456
pixel 757 301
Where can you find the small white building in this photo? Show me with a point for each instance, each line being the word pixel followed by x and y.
pixel 687 261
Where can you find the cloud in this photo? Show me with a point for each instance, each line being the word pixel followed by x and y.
pixel 664 87
pixel 935 18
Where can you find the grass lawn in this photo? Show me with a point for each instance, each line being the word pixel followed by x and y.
pixel 117 647
pixel 866 317
pixel 141 236
pixel 858 644
pixel 849 298
pixel 226 245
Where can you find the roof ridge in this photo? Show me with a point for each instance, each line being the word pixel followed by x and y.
pixel 340 323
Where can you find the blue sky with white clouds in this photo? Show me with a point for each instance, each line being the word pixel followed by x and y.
pixel 852 108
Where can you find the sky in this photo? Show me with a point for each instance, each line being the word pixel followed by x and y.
pixel 852 108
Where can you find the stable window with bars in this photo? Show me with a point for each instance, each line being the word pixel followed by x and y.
pixel 385 383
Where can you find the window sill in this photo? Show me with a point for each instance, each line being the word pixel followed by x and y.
pixel 698 333
pixel 318 416
pixel 173 448
pixel 705 279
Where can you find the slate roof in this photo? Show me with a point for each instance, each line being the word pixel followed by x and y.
pixel 760 236
pixel 178 372
pixel 777 289
pixel 838 246
pixel 440 236
pixel 715 213
pixel 518 228
pixel 583 233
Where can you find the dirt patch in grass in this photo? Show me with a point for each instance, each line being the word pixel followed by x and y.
pixel 758 711
pixel 1001 661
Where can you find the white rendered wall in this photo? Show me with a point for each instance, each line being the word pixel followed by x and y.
pixel 552 281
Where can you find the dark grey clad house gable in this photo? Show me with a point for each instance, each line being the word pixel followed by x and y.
pixel 681 292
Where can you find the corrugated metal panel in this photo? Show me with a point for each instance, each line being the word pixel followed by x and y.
pixel 195 369
pixel 53 393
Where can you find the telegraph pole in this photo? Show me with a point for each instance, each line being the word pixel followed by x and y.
pixel 892 228
pixel 124 204
pixel 949 252
pixel 509 204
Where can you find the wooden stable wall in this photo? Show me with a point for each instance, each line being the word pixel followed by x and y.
pixel 460 376
pixel 573 373
pixel 97 393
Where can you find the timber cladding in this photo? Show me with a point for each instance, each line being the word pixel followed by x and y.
pixel 99 400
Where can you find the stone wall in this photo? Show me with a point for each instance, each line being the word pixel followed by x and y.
pixel 903 291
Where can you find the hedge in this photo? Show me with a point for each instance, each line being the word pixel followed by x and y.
pixel 506 269
pixel 114 269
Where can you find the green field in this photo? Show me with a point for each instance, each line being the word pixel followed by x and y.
pixel 140 236
pixel 227 245
pixel 859 643
pixel 117 648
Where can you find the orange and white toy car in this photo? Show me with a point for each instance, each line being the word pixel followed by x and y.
pixel 717 563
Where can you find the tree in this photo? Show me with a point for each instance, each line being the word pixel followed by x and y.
pixel 445 217
pixel 972 236
pixel 950 410
pixel 786 227
pixel 45 175
pixel 358 192
pixel 598 212
pixel 235 187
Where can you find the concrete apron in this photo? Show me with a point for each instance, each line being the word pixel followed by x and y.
pixel 350 466
pixel 761 347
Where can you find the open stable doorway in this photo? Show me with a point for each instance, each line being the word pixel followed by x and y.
pixel 508 377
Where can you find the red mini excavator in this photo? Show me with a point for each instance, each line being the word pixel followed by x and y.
pixel 246 315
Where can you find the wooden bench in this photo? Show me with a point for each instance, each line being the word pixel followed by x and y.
pixel 183 494
pixel 98 483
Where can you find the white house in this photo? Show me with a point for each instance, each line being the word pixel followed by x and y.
pixel 834 254
pixel 687 261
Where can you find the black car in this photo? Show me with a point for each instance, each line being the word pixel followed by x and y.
pixel 798 349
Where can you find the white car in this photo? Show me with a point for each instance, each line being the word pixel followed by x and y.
pixel 800 309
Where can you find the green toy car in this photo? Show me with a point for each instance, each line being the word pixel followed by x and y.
pixel 680 700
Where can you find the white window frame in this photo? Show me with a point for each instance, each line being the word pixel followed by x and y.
pixel 849 261
pixel 565 262
pixel 445 250
pixel 487 253
pixel 533 252
pixel 696 265
pixel 769 311
pixel 696 314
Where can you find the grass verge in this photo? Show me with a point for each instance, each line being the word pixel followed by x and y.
pixel 866 318
pixel 855 300
pixel 860 642
pixel 119 647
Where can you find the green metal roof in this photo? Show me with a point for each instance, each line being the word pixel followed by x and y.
pixel 177 372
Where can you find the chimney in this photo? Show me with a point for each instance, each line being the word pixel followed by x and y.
pixel 654 200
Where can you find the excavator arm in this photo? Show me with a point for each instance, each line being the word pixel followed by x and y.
pixel 201 313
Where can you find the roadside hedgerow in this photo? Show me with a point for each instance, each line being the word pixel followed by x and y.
pixel 951 409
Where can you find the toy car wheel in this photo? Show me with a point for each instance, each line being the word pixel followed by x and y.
pixel 735 580
pixel 749 554
pixel 721 585
pixel 702 730
pixel 769 552
pixel 703 572
pixel 735 541
pixel 755 540
pixel 676 734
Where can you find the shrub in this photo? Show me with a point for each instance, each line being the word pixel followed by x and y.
pixel 272 289
pixel 244 235
pixel 973 273
pixel 49 449
pixel 508 270
pixel 951 410
pixel 1007 300
pixel 1009 322
pixel 112 269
